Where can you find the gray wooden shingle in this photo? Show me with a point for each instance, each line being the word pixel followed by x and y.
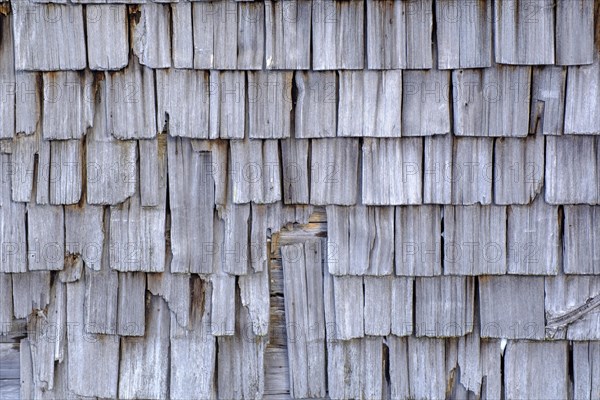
pixel 107 36
pixel 464 34
pixel 66 171
pixel 386 35
pixel 251 35
pixel 444 306
pixel 586 371
pixel 31 292
pixel 7 75
pixel 418 240
pixel 533 239
pixel 512 307
pixel 27 103
pixel 294 160
pixel 183 102
pixel 45 237
pixel 572 173
pixel 536 369
pixel 348 307
pixel 269 104
pixel 215 34
pixel 6 303
pixel 491 101
pixel 12 227
pixel 39 32
pixel 582 99
pixel 227 95
pixel 131 304
pixel 101 298
pixel 130 102
pixel 334 171
pixel 84 234
pixel 151 35
pixel 574 32
pixel 316 104
pixel 258 239
pixel 182 43
pixel 547 110
pixel 524 32
pixel 392 171
pixel 234 250
pixel 254 295
pixel 581 240
pixel 22 167
pixel 402 306
pixel 337 34
pixel 369 103
pixel 378 305
pixel 153 158
pixel 175 289
pixel 287 29
pixel 475 240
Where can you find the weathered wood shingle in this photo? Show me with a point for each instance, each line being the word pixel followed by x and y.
pixel 316 104
pixel 334 171
pixel 287 34
pixel 107 36
pixel 581 240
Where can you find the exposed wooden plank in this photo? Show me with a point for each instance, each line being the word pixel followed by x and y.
pixel 444 306
pixel 572 307
pixel 227 95
pixel 39 32
pixel 512 307
pixel 548 359
pixel 392 171
pixel 426 102
pixel 144 363
pixel 574 32
pixel 334 171
pixel 183 101
pixel 31 292
pixel 524 32
pixel 582 99
pixel 492 101
pixel 370 103
pixel 316 104
pixel 534 239
pixel 251 35
pixel 84 233
pixel 45 237
pixel 269 104
pixel 475 240
pixel 337 34
pixel 572 173
pixel 131 306
pixel 305 319
pixel 130 101
pixel 66 171
pixel 287 30
pixel 151 35
pixel 464 34
pixel 586 371
pixel 107 36
pixel 418 244
pixel 547 110
pixel 182 44
pixel 581 240
pixel 294 160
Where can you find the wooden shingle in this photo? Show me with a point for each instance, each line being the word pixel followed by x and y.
pixel 294 160
pixel 269 104
pixel 581 240
pixel 107 36
pixel 287 34
pixel 12 228
pixel 101 297
pixel 254 296
pixel 348 308
pixel 27 103
pixel 574 32
pixel 547 109
pixel 66 171
pixel 227 96
pixel 22 166
pixel 45 237
pixel 582 99
pixel 251 35
pixel 84 234
pixel 586 371
pixel 386 34
pixel 131 304
pixel 182 44
pixel 378 305
pixel 176 290
pixel 31 292
pixel 151 35
pixel 334 171
pixel 7 75
pixel 316 104
pixel 215 34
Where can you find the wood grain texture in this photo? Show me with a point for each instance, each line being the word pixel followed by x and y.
pixel 574 32
pixel 547 110
pixel 586 372
pixel 107 36
pixel 182 40
pixel 287 34
pixel 581 98
pixel 334 171
pixel 581 237
pixel 255 172
pixel 269 104
pixel 151 35
pixel 227 94
pixel 316 104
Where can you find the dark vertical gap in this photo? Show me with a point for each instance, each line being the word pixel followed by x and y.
pixel 571 370
pixel 561 236
pixel 442 210
pixel 494 175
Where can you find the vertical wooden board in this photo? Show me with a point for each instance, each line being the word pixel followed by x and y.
pixel 378 305
pixel 144 363
pixel 518 169
pixel 582 99
pixel 572 170
pixel 39 32
pixel 67 104
pixel 269 104
pixel 426 366
pixel 66 171
pixel 294 159
pixel 512 307
pixel 586 371
pixel 348 307
pixel 386 34
pixel 475 240
pixel 130 101
pixel 6 303
pixel 437 169
pixel 534 239
pixel 107 36
pixel 193 352
pixel 418 240
pixel 444 306
pixel 471 171
pixel 571 304
pixel 287 34
pixel 426 103
pixel 419 29
pixel 581 240
pixel 85 351
pixel 370 103
pixel 45 237
pixel 316 104
pixel 151 35
pixel 7 74
pixel 191 204
pixel 183 101
pixel 492 101
pixel 548 100
pixel 334 171
pixel 524 32
pixel 402 306
pixel 574 32
pixel 227 95
pixel 131 304
pixel 337 34
pixel 27 103
pixel 536 369
pixel 84 233
pixel 31 292
pixel 182 44
pixel 250 35
pixel 392 171
pixel 464 34
pixel 101 299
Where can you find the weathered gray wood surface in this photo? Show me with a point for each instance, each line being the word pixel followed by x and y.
pixel 107 36
pixel 316 104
